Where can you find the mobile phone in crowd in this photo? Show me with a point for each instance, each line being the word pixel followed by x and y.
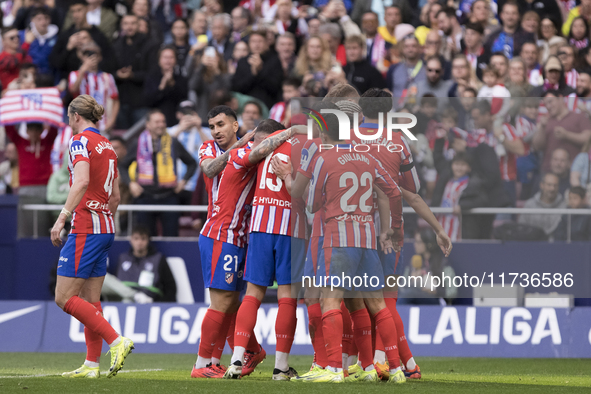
pixel 209 52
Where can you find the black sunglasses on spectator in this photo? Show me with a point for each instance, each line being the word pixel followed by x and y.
pixel 434 70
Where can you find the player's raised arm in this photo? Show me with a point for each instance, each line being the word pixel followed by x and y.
pixel 212 167
pixel 271 143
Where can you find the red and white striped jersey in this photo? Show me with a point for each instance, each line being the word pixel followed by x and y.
pixel 394 155
pixel 525 128
pixel 101 86
pixel 571 78
pixel 277 111
pixel 231 210
pixel 507 161
pixel 92 215
pixel 299 224
pixel 271 205
pixel 342 183
pixel 210 150
pixel 451 197
pixel 60 146
pixel 309 155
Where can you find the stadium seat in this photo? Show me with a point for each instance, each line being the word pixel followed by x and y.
pixel 184 293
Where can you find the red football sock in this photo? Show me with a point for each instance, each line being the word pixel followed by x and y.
pixel 387 331
pixel 253 344
pixel 353 349
pixel 88 315
pixel 231 328
pixel 211 327
pixel 246 319
pixel 347 329
pixel 332 325
pixel 403 349
pixel 362 335
pixel 285 324
pixel 317 334
pixel 94 342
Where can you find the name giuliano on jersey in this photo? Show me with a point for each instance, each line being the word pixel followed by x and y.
pixel 342 182
pixel 231 210
pixel 92 215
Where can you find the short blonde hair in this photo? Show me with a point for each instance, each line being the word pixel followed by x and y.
pixel 87 107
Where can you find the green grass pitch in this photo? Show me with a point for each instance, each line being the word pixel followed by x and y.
pixel 169 373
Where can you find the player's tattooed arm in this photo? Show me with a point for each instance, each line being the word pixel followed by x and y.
pixel 212 167
pixel 269 144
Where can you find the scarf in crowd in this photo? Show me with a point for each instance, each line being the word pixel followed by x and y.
pixel 579 44
pixel 164 161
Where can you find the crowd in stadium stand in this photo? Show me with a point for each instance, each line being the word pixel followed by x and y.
pixel 501 90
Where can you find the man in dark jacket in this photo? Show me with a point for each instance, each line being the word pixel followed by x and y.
pixel 165 86
pixel 259 74
pixel 64 57
pixel 145 270
pixel 358 70
pixel 542 7
pixel 511 36
pixel 485 188
pixel 154 174
pixel 134 52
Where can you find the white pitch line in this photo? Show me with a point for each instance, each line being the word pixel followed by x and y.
pixel 46 375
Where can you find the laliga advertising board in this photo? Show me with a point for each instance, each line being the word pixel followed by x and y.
pixel 432 330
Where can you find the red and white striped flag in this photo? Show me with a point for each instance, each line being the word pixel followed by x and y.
pixel 43 105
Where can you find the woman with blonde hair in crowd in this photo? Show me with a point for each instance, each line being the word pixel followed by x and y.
pixel 211 74
pixel 429 20
pixel 482 13
pixel 313 63
pixel 463 75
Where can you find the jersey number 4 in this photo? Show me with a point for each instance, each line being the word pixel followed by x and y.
pixel 110 178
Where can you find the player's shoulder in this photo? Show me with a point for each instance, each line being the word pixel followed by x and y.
pixel 240 153
pixel 207 149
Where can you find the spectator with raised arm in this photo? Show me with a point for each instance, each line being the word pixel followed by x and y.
pixel 133 51
pixel 89 79
pixel 165 86
pixel 561 128
pixel 12 56
pixel 34 154
pixel 257 74
pixel 64 55
pixel 40 38
pixel 210 74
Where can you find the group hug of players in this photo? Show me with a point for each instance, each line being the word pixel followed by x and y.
pixel 257 232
